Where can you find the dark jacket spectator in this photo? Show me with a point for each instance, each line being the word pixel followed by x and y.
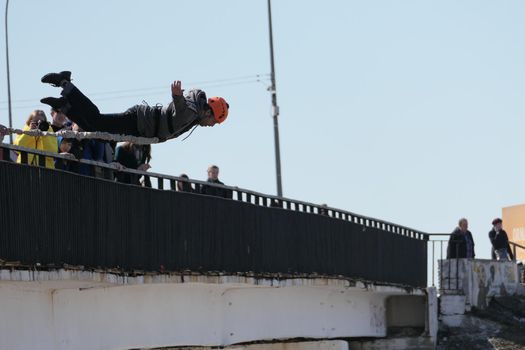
pixel 461 243
pixel 58 120
pixel 185 186
pixel 276 203
pixel 88 149
pixel 213 177
pixel 64 148
pixel 92 150
pixel 135 157
pixel 500 241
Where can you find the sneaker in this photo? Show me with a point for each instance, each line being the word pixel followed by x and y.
pixel 56 79
pixel 54 102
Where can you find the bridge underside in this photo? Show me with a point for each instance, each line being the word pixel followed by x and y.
pixel 72 309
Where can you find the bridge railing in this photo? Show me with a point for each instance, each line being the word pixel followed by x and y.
pixel 169 182
pixel 51 217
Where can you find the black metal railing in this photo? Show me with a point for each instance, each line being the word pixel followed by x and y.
pixel 515 246
pixel 100 223
pixel 239 194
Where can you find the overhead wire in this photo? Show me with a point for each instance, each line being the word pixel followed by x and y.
pixel 151 91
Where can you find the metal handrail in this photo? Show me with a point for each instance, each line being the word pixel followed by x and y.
pixel 434 241
pixel 241 194
pixel 514 246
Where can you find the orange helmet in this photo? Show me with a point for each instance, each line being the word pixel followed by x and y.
pixel 219 108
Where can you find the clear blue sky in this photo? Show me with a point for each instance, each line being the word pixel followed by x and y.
pixel 409 111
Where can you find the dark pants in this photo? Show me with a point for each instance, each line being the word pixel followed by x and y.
pixel 84 113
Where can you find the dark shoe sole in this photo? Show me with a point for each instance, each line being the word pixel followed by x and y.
pixel 54 102
pixel 56 78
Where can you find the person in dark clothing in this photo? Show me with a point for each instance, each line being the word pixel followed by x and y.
pixel 58 120
pixel 276 203
pixel 184 186
pixel 64 148
pixel 500 242
pixel 164 123
pixel 133 156
pixel 461 243
pixel 87 149
pixel 213 177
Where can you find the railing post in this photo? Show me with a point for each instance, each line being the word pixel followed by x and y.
pixel 5 153
pixel 449 273
pixel 23 157
pixel 433 285
pixel 441 266
pixel 41 160
pixel 457 267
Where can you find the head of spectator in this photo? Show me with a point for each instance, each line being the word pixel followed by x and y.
pixel 276 203
pixel 463 225
pixel 497 223
pixel 184 186
pixel 213 177
pixel 64 145
pixel 213 173
pixel 323 209
pixel 58 120
pixel 37 120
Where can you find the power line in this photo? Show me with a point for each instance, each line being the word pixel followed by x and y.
pixel 161 89
pixel 118 97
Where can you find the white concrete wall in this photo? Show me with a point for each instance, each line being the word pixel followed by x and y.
pixel 98 314
pixel 25 318
pixel 479 280
pixel 210 315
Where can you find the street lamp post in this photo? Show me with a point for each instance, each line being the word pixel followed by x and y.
pixel 8 79
pixel 275 109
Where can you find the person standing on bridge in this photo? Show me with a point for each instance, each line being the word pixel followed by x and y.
pixel 461 243
pixel 182 113
pixel 213 178
pixel 500 241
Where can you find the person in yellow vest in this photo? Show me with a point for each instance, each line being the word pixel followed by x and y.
pixel 37 121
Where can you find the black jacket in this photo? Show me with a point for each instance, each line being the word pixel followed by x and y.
pixel 216 191
pixel 170 121
pixel 500 241
pixel 457 244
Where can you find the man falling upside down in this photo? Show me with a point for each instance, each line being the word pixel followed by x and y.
pixel 169 122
